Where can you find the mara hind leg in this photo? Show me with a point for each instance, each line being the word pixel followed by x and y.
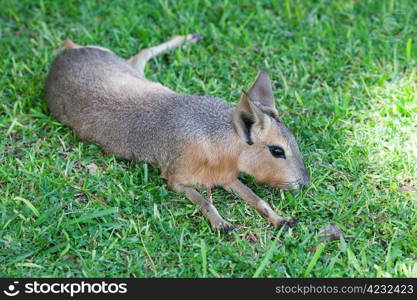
pixel 139 60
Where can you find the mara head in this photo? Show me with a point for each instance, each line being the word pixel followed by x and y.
pixel 270 152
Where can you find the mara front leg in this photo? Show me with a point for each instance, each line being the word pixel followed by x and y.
pixel 206 208
pixel 260 205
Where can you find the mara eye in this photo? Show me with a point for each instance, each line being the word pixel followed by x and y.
pixel 277 151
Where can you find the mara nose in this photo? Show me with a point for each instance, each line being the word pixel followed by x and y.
pixel 305 180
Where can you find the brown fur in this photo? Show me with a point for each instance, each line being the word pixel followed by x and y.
pixel 207 163
pixel 69 44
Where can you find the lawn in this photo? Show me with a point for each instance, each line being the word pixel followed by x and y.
pixel 345 81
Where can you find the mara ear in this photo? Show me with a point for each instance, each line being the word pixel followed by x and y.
pixel 245 116
pixel 261 91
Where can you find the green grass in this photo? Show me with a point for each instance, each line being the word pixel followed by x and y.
pixel 345 81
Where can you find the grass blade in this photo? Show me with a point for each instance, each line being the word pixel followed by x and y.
pixel 94 215
pixel 273 246
pixel 314 260
pixel 204 257
pixel 29 205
